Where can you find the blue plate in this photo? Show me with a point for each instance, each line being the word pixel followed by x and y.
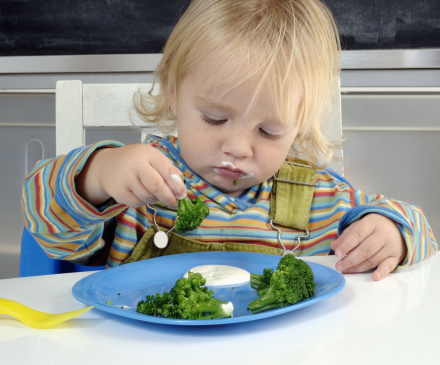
pixel 119 289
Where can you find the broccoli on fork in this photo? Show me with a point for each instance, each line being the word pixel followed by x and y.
pixel 190 214
pixel 291 283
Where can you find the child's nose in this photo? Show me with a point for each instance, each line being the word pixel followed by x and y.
pixel 238 144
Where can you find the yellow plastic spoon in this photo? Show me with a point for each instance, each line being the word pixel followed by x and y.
pixel 34 318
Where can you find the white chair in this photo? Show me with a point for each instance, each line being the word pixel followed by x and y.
pixel 80 106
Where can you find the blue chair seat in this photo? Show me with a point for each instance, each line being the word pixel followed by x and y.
pixel 34 262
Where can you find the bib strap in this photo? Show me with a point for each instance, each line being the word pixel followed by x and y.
pixel 292 194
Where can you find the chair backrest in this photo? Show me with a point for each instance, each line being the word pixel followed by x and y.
pixel 80 106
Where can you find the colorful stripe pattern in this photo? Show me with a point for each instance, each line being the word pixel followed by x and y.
pixel 69 228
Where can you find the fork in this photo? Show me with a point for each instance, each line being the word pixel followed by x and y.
pixel 34 318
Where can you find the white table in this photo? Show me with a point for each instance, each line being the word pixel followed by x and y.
pixel 395 321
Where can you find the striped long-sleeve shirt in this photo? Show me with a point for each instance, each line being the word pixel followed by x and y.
pixel 67 227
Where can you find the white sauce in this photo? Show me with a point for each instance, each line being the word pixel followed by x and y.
pixel 245 174
pixel 217 275
pixel 227 163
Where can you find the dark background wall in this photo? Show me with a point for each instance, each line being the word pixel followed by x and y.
pixel 74 27
pixel 387 24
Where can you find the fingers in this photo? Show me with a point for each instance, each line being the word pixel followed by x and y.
pixel 164 180
pixel 137 195
pixel 171 175
pixel 158 188
pixel 351 238
pixel 382 260
pixel 362 254
pixel 385 268
pixel 157 179
pixel 139 174
pixel 373 241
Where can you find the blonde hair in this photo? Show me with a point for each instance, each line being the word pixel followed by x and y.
pixel 292 44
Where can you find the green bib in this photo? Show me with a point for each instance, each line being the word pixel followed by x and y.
pixel 290 201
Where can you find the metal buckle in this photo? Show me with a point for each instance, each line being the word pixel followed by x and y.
pixel 298 164
pixel 160 237
pixel 296 182
pixel 285 251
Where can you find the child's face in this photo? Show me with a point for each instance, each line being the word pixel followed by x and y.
pixel 228 147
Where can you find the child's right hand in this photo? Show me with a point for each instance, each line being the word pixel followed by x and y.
pixel 133 175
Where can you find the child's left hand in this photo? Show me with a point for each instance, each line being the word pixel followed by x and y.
pixel 372 241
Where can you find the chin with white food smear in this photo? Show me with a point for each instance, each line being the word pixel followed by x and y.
pixel 219 275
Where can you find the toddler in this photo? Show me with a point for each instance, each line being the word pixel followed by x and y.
pixel 247 85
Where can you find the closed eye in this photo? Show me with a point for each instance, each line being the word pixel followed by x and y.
pixel 269 136
pixel 265 134
pixel 211 121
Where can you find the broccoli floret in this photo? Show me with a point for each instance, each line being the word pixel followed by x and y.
pixel 303 270
pixel 155 305
pixel 188 299
pixel 190 214
pixel 291 283
pixel 259 282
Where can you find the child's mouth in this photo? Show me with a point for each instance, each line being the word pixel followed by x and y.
pixel 223 171
pixel 229 170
